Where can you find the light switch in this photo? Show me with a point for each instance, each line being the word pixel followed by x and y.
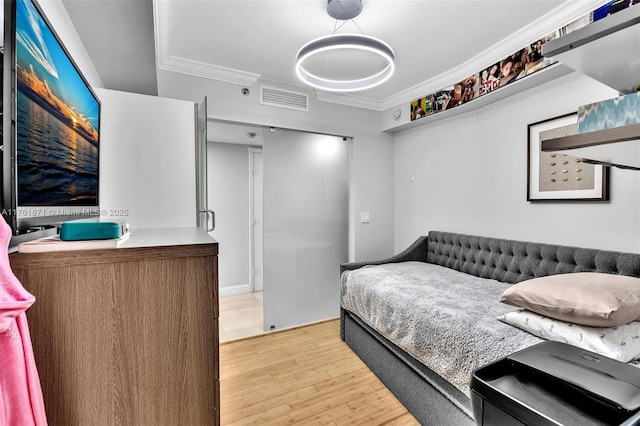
pixel 364 217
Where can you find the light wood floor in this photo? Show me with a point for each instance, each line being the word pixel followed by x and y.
pixel 305 376
pixel 240 316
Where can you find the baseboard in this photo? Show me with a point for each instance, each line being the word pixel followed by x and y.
pixel 234 290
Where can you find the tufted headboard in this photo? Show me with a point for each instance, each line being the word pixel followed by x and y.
pixel 514 261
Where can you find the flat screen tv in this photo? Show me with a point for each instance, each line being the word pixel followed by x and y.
pixel 51 128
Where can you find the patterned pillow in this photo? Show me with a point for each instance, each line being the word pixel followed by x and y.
pixel 620 342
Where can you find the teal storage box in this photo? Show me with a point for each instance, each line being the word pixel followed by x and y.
pixel 80 230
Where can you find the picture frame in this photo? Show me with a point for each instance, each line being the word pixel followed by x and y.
pixel 556 176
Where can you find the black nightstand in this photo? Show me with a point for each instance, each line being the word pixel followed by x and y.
pixel 555 384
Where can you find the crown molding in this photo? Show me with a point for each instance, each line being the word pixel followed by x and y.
pixel 349 100
pixel 166 62
pixel 206 70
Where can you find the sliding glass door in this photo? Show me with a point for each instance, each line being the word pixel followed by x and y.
pixel 306 191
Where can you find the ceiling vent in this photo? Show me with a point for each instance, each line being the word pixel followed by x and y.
pixel 276 97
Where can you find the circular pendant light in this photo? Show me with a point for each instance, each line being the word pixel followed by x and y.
pixel 349 51
pixel 337 42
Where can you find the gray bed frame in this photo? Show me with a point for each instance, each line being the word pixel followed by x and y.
pixel 428 397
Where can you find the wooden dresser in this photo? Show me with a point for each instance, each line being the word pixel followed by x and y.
pixel 127 336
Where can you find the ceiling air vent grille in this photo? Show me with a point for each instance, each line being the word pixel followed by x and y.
pixel 284 98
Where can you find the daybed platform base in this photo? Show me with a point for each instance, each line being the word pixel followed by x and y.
pixel 411 382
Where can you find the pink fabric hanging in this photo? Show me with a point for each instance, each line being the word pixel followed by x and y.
pixel 21 402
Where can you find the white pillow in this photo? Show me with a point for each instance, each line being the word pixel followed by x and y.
pixel 621 342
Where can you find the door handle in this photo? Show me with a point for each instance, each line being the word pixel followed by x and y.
pixel 213 220
pixel 207 214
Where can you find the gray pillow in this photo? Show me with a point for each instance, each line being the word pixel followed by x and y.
pixel 587 298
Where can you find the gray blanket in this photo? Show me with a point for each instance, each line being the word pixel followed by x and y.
pixel 444 318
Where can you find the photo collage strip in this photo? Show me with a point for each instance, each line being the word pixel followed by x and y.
pixel 520 64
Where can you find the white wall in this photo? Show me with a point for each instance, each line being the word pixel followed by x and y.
pixel 147 159
pixel 470 177
pixel 372 189
pixel 61 22
pixel 228 197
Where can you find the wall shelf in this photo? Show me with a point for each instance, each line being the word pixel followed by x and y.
pixel 618 146
pixel 542 76
pixel 606 50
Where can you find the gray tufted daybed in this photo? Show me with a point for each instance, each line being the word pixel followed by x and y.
pixel 422 343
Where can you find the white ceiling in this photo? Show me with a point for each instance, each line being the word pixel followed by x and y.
pixel 119 37
pixel 244 41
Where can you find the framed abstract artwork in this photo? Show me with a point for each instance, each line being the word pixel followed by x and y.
pixel 557 176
